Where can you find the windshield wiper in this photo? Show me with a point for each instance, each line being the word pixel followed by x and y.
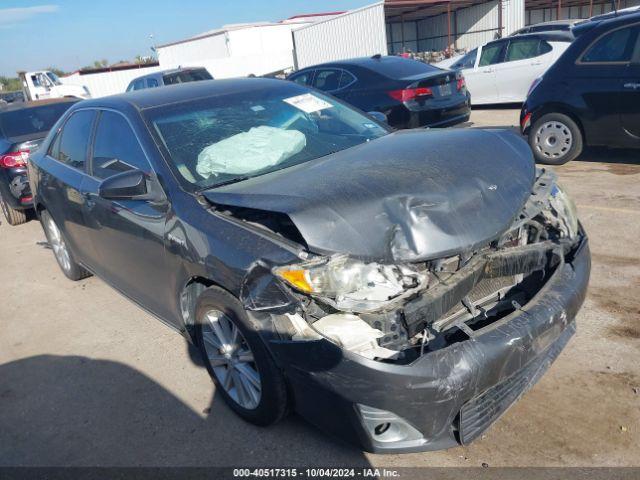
pixel 226 182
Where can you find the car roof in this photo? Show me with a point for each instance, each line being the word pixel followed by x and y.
pixel 183 92
pixel 370 63
pixel 37 103
pixel 553 36
pixel 165 72
pixel 613 19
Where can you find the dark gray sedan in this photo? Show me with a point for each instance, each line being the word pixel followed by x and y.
pixel 397 289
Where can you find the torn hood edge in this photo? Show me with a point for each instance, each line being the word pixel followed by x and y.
pixel 408 196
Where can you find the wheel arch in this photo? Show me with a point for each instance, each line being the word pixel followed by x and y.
pixel 562 109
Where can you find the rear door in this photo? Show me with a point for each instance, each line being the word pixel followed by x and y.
pixel 481 80
pixel 525 60
pixel 62 179
pixel 128 235
pixel 606 78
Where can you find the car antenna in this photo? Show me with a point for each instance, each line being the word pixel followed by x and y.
pixel 377 56
pixel 614 7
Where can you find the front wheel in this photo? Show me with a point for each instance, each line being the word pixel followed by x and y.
pixel 238 360
pixel 555 139
pixel 64 256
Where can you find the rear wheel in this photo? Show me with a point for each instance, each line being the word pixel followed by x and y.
pixel 13 216
pixel 237 359
pixel 61 251
pixel 555 139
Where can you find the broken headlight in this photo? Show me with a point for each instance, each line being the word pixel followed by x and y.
pixel 565 209
pixel 350 285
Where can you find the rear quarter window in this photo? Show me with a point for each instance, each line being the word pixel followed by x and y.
pixel 614 47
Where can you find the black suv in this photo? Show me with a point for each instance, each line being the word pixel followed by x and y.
pixel 591 95
pixel 23 126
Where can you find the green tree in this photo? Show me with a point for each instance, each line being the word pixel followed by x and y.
pixel 10 84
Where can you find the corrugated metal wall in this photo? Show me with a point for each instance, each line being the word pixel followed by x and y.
pixel 534 16
pixel 172 56
pixel 475 25
pixel 108 83
pixel 257 50
pixel 357 33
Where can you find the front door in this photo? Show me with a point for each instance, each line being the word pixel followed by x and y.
pixel 128 235
pixel 630 108
pixel 481 80
pixel 606 76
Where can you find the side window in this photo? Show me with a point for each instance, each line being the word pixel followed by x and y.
pixel 327 80
pixel 74 139
pixel 468 61
pixel 545 47
pixel 54 148
pixel 522 50
pixel 303 78
pixel 152 82
pixel 614 47
pixel 35 79
pixel 116 148
pixel 346 79
pixel 138 84
pixel 492 54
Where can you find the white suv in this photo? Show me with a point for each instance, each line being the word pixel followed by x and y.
pixel 502 71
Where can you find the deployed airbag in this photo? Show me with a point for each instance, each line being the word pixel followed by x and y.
pixel 251 151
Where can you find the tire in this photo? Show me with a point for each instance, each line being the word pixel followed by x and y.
pixel 555 139
pixel 14 217
pixel 216 306
pixel 61 251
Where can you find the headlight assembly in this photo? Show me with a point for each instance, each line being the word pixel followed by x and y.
pixel 565 209
pixel 351 285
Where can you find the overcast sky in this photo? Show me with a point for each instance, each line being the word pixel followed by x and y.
pixel 70 34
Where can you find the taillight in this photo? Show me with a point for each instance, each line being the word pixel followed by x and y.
pixel 410 93
pixel 14 159
pixel 460 83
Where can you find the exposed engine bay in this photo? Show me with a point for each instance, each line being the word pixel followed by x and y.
pixel 402 312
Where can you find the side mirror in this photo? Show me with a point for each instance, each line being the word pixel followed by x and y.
pixel 131 185
pixel 379 116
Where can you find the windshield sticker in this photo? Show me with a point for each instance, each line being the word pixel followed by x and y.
pixel 369 125
pixel 308 103
pixel 257 108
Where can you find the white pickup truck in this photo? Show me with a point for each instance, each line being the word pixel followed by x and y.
pixel 44 84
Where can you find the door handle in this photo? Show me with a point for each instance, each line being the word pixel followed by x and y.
pixel 536 63
pixel 633 86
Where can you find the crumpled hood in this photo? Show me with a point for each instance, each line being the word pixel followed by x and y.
pixel 408 196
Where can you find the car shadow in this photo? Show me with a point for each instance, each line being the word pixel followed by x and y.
pixel 77 411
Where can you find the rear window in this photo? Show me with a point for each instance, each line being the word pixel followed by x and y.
pixel 187 76
pixel 28 121
pixel 398 68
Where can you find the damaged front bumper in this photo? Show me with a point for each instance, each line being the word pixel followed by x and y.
pixel 447 396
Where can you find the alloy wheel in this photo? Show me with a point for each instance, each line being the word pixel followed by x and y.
pixel 553 139
pixel 231 359
pixel 58 244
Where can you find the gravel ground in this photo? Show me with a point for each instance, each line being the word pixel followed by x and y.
pixel 87 378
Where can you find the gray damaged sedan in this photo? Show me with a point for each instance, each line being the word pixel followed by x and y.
pixel 400 290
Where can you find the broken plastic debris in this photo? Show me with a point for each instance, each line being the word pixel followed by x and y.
pixel 251 151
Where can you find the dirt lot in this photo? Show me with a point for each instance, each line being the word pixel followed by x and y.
pixel 87 378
